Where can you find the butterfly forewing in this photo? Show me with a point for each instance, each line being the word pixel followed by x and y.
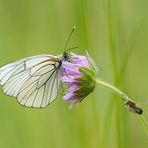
pixel 34 80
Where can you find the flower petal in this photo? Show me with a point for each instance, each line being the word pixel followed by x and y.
pixel 69 96
pixel 66 79
pixel 71 69
pixel 73 87
pixel 81 60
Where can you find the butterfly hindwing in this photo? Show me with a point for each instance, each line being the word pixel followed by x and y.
pixel 34 80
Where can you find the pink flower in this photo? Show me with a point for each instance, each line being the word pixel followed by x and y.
pixel 79 77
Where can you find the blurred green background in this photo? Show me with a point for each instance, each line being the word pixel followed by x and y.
pixel 115 33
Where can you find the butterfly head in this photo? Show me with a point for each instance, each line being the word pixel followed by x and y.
pixel 66 57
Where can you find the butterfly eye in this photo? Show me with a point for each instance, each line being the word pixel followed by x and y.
pixel 66 57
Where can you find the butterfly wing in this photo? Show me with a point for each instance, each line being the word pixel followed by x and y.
pixel 34 81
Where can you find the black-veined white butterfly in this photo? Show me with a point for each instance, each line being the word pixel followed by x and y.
pixel 35 80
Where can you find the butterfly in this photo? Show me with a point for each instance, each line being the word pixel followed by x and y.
pixel 34 81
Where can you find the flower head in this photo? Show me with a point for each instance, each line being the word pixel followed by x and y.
pixel 79 77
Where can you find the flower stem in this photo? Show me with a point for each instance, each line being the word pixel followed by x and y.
pixel 130 105
pixel 145 123
pixel 116 90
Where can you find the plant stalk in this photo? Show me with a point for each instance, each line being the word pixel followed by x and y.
pixel 129 104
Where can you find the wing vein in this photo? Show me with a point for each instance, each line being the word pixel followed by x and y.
pixel 52 88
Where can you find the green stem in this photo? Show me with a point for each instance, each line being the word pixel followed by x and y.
pixel 145 123
pixel 116 90
pixel 130 105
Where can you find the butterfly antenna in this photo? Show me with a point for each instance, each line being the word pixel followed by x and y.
pixel 74 27
pixel 71 48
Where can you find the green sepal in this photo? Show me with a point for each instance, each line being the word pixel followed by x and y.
pixel 88 74
pixel 86 82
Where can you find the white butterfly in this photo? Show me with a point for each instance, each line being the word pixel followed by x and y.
pixel 35 80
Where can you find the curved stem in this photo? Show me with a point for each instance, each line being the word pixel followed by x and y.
pixel 130 105
pixel 116 90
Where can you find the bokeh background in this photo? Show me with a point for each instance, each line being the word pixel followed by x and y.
pixel 115 32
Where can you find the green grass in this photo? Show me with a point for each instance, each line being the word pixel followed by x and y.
pixel 115 33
